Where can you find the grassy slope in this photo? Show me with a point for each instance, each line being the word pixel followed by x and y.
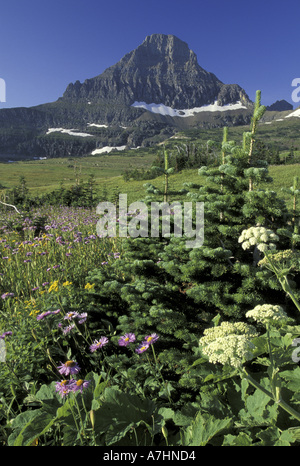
pixel 45 175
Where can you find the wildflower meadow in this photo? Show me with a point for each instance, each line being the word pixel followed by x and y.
pixel 141 341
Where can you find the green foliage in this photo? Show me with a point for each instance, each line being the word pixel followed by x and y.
pixel 106 416
pixel 203 429
pixel 172 393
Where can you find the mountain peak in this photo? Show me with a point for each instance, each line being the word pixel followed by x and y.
pixel 162 70
pixel 280 106
pixel 166 42
pixel 167 47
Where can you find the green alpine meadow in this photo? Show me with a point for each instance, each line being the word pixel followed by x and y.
pixel 138 340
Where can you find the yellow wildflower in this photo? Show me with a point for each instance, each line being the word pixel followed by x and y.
pixel 53 287
pixel 88 286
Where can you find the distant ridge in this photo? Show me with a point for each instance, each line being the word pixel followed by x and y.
pixel 280 106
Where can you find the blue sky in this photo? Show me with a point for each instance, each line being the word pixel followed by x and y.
pixel 46 45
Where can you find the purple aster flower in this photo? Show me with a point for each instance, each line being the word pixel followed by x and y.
pixel 142 347
pixel 7 295
pixel 126 339
pixel 150 339
pixel 68 329
pixel 71 315
pixel 69 368
pixel 45 283
pixel 98 344
pixel 43 315
pixel 64 387
pixel 80 385
pixel 5 334
pixel 35 289
pixel 82 317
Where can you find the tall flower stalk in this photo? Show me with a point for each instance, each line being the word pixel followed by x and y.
pixel 233 344
pixel 149 341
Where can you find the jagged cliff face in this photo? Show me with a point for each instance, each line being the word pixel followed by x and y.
pixel 161 71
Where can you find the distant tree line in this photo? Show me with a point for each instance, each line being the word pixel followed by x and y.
pixel 187 155
pixel 80 194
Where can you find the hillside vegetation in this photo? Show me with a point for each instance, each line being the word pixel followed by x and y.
pixel 147 340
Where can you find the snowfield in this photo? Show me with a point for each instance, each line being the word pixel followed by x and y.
pixel 296 113
pixel 165 110
pixel 71 132
pixel 107 149
pixel 97 126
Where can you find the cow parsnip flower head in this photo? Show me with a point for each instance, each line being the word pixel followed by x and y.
pixel 268 313
pixel 286 258
pixel 228 343
pixel 258 236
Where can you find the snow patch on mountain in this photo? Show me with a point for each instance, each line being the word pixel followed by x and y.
pixel 107 149
pixel 165 110
pixel 296 113
pixel 71 132
pixel 97 125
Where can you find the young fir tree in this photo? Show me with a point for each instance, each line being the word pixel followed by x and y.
pixel 159 285
pixel 220 276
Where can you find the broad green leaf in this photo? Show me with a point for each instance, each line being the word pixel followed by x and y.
pixel 19 423
pixel 65 409
pixel 38 425
pixel 272 436
pixel 286 439
pixel 120 412
pixel 70 436
pixel 295 432
pixel 259 410
pixel 166 413
pixel 50 400
pixel 240 440
pixel 46 392
pixel 292 378
pixel 203 429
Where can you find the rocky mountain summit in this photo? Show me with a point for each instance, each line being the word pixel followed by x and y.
pixel 152 92
pixel 280 106
pixel 161 70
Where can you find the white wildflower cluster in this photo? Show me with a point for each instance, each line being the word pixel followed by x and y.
pixel 228 343
pixel 268 313
pixel 258 236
